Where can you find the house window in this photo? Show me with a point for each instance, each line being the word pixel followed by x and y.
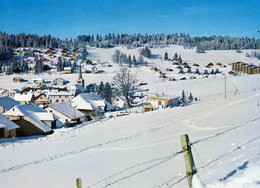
pixel 159 102
pixel 57 100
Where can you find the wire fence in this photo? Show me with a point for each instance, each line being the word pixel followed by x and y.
pixel 177 179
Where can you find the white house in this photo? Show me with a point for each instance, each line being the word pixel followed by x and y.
pixel 59 96
pixel 119 102
pixel 38 81
pixel 59 81
pixel 67 113
pixel 89 102
pixel 162 101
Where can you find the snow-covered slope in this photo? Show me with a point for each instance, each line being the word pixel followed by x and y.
pixel 144 150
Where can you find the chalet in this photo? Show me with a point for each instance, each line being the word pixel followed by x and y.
pixel 5 92
pixel 94 70
pixel 6 103
pixel 195 65
pixel 192 77
pixel 41 99
pixel 67 113
pixel 162 101
pixel 119 102
pixel 172 79
pixel 17 80
pixel 59 96
pixel 67 70
pixel 49 51
pixel 82 104
pixel 59 82
pixel 24 98
pixel 32 120
pixel 38 81
pixel 89 102
pixel 88 62
pixel 7 127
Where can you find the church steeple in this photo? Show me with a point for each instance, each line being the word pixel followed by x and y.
pixel 80 72
pixel 80 79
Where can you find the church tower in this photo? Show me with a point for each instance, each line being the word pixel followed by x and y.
pixel 80 80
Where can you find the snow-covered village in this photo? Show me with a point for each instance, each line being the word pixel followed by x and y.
pixel 128 110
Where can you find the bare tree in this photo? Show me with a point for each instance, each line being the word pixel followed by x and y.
pixel 126 83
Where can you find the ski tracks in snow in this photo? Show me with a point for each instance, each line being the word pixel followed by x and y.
pixel 87 148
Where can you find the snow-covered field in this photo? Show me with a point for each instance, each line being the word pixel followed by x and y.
pixel 144 150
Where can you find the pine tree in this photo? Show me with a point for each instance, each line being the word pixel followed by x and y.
pixel 116 55
pixel 166 56
pixel 60 66
pixel 140 60
pixel 84 54
pixel 134 61
pixel 191 97
pixel 146 52
pixel 108 93
pixel 101 90
pixel 129 61
pixel 183 98
pixel 38 67
pixel 180 59
pixel 175 57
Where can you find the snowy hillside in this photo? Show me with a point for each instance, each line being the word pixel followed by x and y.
pixel 144 150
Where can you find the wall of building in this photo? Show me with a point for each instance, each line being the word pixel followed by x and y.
pixel 62 118
pixel 27 128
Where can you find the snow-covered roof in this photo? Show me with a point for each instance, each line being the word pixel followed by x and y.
pixel 23 97
pixel 81 103
pixel 83 100
pixel 67 109
pixel 61 79
pixel 7 124
pixel 28 111
pixel 167 97
pixel 38 79
pixel 7 102
pixel 60 93
pixel 44 116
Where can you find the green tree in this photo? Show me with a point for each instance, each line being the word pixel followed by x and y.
pixel 166 56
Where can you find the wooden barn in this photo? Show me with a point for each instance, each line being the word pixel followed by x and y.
pixel 31 119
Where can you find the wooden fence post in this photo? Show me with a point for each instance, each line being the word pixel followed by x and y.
pixel 79 183
pixel 189 162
